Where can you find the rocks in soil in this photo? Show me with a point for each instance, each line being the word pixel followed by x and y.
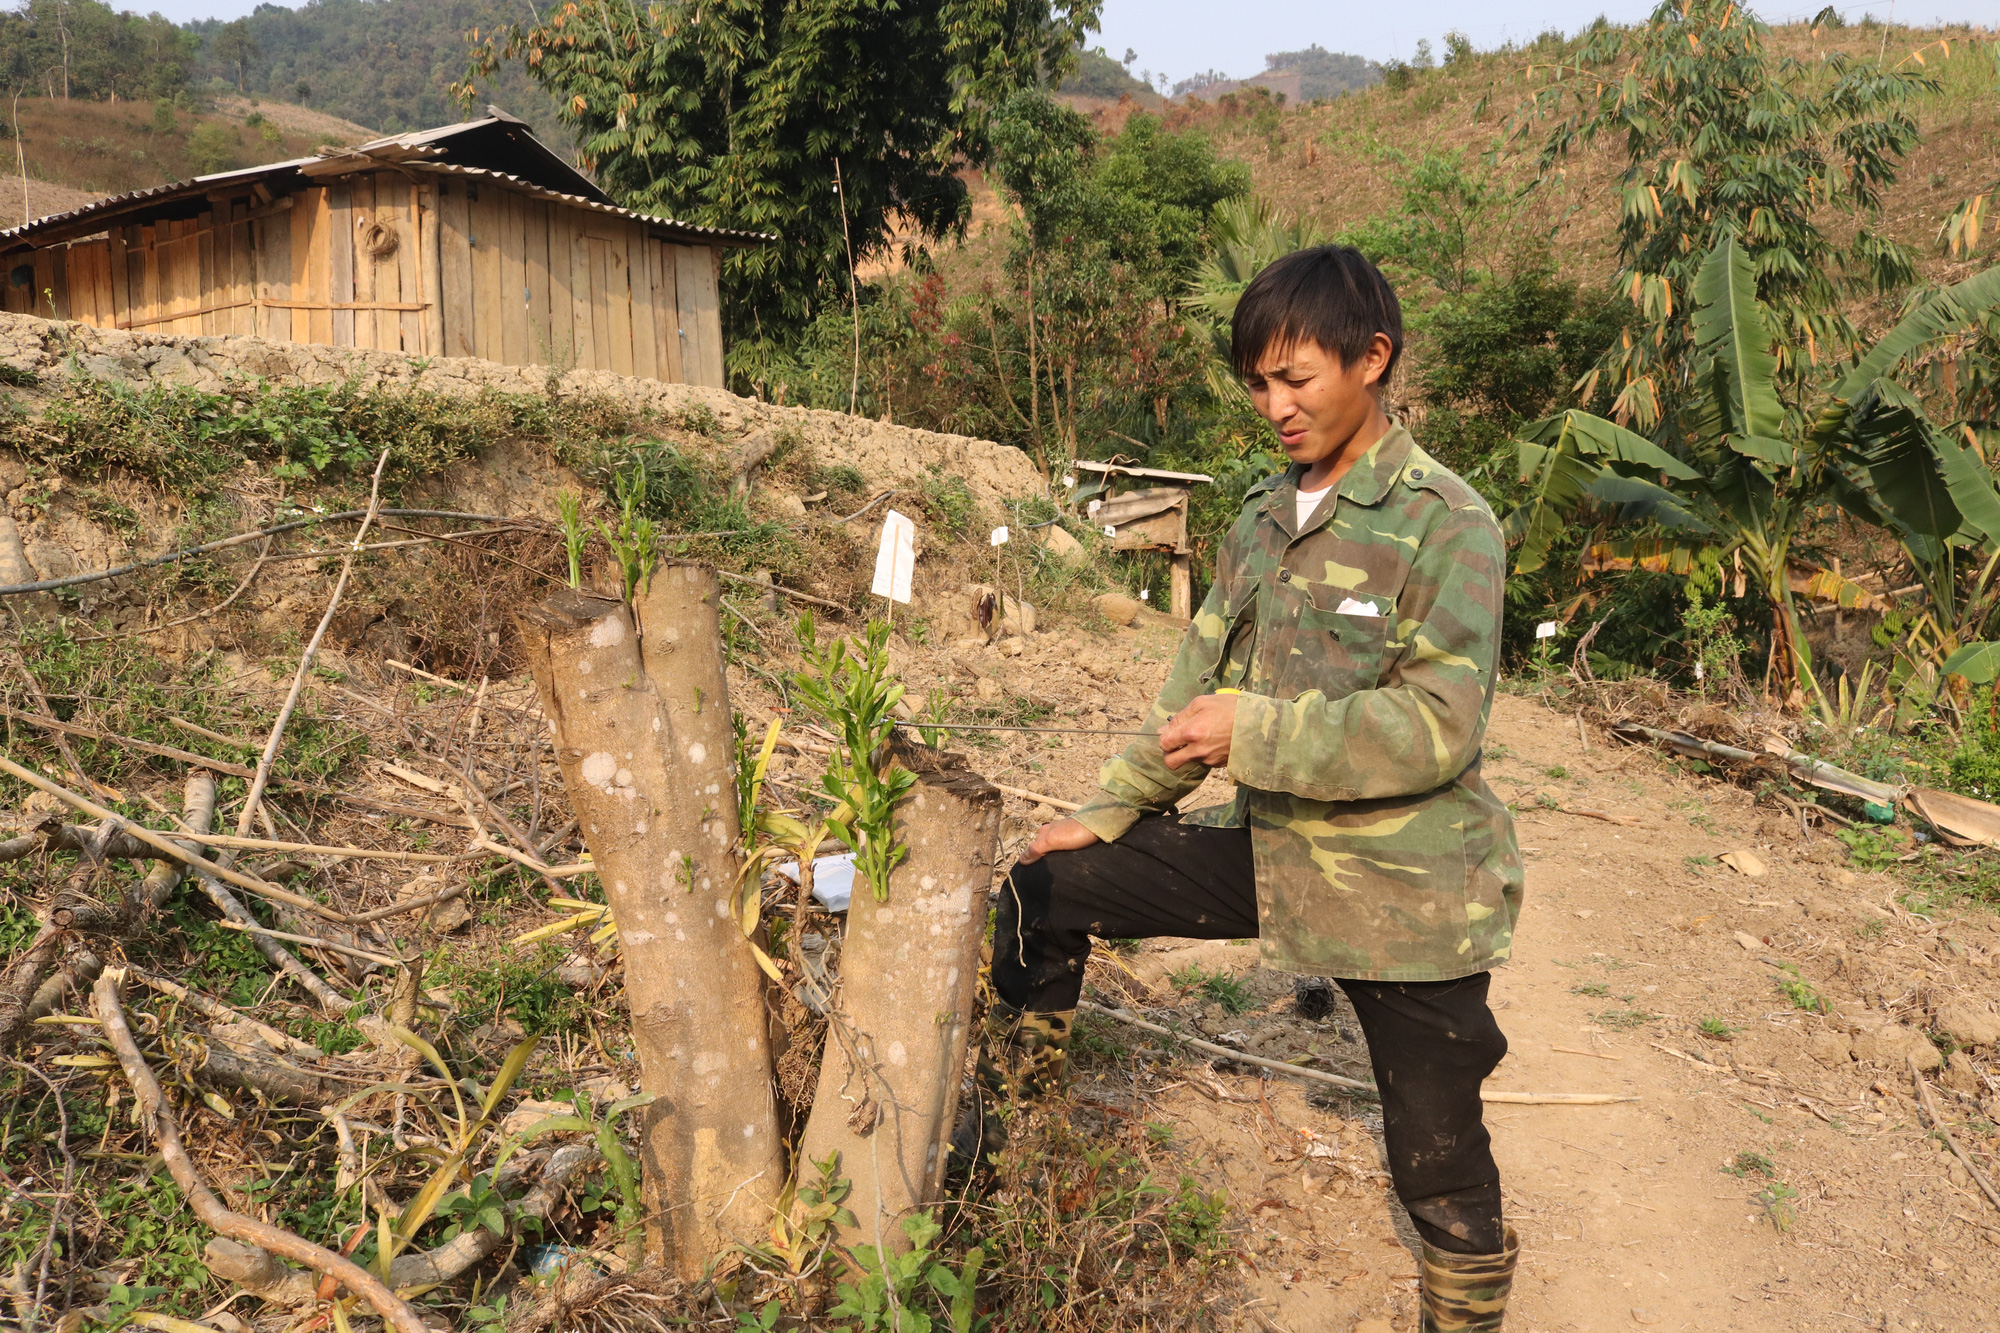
pixel 1057 541
pixel 1881 1041
pixel 1117 608
pixel 1830 1048
pixel 1970 1022
pixel 531 1113
pixel 450 915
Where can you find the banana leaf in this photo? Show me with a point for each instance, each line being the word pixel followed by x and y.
pixel 1947 312
pixel 1729 326
pixel 1641 500
pixel 1979 663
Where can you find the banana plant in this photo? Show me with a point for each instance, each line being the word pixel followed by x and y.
pixel 1734 474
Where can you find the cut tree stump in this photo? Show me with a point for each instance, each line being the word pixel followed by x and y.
pixel 640 711
pixel 888 1087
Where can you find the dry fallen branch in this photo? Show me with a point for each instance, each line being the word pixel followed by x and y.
pixel 1241 1057
pixel 160 842
pixel 222 1013
pixel 194 760
pixel 241 538
pixel 277 737
pixel 313 942
pixel 1937 1123
pixel 166 1133
pixel 1027 795
pixel 263 1276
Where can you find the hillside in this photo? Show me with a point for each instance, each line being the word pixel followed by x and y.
pixel 1338 163
pixel 75 149
pixel 1741 1044
pixel 386 63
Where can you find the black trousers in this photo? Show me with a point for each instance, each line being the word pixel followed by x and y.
pixel 1431 1042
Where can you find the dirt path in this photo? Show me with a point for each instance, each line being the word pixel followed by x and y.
pixel 1773 1173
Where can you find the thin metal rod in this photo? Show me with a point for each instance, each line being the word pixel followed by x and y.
pixel 992 726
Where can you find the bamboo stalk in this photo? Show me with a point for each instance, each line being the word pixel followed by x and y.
pixel 211 1211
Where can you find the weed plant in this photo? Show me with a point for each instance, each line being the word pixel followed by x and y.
pixel 189 439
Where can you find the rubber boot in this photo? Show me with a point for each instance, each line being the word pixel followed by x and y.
pixel 1467 1291
pixel 1022 1057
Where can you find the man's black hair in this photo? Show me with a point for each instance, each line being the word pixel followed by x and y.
pixel 1329 294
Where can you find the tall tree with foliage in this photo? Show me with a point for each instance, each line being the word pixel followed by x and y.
pixel 741 113
pixel 1111 232
pixel 1723 137
pixel 234 46
pixel 83 49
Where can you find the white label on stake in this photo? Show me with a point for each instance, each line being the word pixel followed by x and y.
pixel 1110 531
pixel 999 537
pixel 1068 481
pixel 1145 594
pixel 1090 510
pixel 1546 630
pixel 895 558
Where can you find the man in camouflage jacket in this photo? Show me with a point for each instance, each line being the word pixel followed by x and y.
pixel 1341 667
pixel 1381 855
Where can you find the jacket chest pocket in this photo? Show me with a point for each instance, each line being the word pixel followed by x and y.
pixel 1324 648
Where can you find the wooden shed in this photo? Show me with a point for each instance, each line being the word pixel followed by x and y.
pixel 1152 517
pixel 470 240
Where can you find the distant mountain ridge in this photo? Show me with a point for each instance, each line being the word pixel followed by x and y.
pixel 1300 76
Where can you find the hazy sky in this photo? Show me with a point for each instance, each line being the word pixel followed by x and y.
pixel 1183 37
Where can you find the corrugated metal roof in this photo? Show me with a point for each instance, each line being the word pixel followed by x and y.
pixel 423 150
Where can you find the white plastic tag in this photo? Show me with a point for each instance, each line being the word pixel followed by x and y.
pixel 895 558
pixel 999 537
pixel 1546 630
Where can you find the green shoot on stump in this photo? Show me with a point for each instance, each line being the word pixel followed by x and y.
pixel 855 693
pixel 569 502
pixel 635 544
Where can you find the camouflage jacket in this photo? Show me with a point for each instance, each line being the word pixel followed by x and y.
pixel 1365 649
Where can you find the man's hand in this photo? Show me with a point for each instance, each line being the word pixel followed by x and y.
pixel 1200 732
pixel 1065 835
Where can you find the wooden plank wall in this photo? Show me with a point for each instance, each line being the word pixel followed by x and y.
pixel 522 281
pixel 529 282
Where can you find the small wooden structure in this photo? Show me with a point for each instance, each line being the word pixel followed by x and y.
pixel 470 240
pixel 1153 518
